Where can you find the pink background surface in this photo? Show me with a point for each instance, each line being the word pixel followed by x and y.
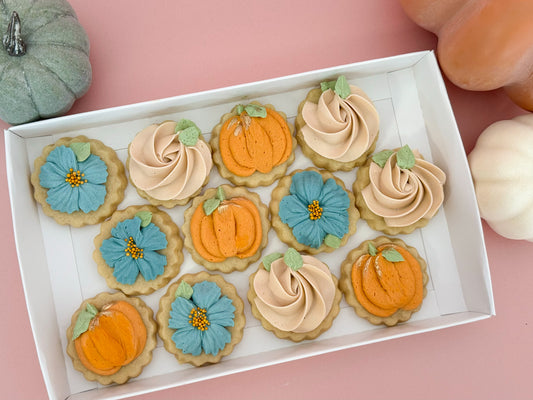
pixel 144 50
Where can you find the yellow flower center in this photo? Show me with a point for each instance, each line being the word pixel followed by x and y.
pixel 132 250
pixel 315 211
pixel 198 319
pixel 74 178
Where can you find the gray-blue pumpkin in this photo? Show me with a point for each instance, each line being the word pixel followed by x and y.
pixel 44 59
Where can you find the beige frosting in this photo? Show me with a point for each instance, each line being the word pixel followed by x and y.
pixel 403 196
pixel 340 129
pixel 295 301
pixel 165 168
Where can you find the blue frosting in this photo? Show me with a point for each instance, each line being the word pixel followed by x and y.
pixel 62 196
pixel 127 265
pixel 306 187
pixel 220 313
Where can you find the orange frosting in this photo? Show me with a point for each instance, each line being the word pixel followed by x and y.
pixel 116 336
pixel 233 230
pixel 249 144
pixel 383 287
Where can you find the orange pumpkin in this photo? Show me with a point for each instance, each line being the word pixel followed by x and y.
pixel 483 45
pixel 115 337
pixel 252 143
pixel 383 287
pixel 233 229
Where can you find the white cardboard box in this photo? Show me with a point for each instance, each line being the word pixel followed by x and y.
pixel 58 271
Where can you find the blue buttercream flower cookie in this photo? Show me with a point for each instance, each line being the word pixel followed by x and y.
pixel 201 318
pixel 78 181
pixel 138 250
pixel 312 211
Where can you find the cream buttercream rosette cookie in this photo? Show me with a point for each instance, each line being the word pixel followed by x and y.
pixel 397 191
pixel 312 211
pixel 337 125
pixel 78 181
pixel 169 163
pixel 384 280
pixel 111 338
pixel 294 296
pixel 253 145
pixel 201 318
pixel 226 228
pixel 138 250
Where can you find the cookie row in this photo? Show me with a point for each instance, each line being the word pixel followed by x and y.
pixel 201 316
pixel 80 181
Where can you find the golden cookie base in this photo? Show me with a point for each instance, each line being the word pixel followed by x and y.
pixel 377 222
pixel 285 232
pixel 345 282
pixel 115 185
pixel 296 336
pixel 165 203
pixel 163 316
pixel 173 251
pixel 232 263
pixel 135 367
pixel 317 159
pixel 257 178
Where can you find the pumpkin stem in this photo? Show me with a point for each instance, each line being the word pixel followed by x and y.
pixel 12 41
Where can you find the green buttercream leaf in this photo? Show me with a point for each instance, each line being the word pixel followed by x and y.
pixel 239 109
pixel 269 259
pixel 255 110
pixel 332 241
pixel 405 158
pixel 184 124
pixel 91 308
pixel 184 290
pixel 83 321
pixel 220 194
pixel 372 249
pixel 392 255
pixel 342 88
pixel 189 136
pixel 382 157
pixel 211 205
pixel 81 150
pixel 145 217
pixel 327 85
pixel 293 259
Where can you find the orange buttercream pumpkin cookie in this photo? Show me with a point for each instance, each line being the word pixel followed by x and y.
pixel 169 163
pixel 201 318
pixel 312 211
pixel 294 296
pixel 138 250
pixel 78 181
pixel 253 145
pixel 397 191
pixel 384 280
pixel 111 338
pixel 226 228
pixel 337 125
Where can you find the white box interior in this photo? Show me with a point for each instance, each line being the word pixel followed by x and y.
pixel 58 272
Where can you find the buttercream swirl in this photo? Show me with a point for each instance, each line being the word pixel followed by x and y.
pixel 404 196
pixel 165 168
pixel 340 129
pixel 295 301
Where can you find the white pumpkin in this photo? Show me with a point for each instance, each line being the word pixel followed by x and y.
pixel 502 168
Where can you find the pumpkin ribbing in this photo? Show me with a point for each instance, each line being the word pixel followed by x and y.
pixel 55 69
pixel 232 230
